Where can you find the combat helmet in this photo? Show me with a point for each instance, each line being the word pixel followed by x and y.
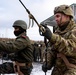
pixel 67 10
pixel 20 23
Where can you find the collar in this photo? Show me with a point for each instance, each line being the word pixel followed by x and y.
pixel 22 34
pixel 70 26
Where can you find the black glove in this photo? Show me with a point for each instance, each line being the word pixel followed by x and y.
pixel 44 67
pixel 47 33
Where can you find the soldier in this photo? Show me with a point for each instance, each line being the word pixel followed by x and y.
pixel 20 48
pixel 63 43
pixel 36 52
pixel 42 48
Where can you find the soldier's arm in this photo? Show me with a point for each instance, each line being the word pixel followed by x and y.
pixel 14 46
pixel 63 45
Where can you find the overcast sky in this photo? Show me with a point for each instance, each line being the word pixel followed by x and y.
pixel 11 10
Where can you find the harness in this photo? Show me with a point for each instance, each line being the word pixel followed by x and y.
pixel 17 66
pixel 67 63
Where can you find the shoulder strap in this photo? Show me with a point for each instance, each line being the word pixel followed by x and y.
pixel 23 36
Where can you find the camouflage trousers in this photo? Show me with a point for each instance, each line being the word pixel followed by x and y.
pixel 8 68
pixel 58 71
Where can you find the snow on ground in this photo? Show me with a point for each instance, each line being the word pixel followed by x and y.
pixel 37 69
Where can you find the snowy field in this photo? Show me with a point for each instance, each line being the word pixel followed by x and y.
pixel 37 70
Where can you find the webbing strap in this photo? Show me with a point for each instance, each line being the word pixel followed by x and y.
pixel 18 69
pixel 68 64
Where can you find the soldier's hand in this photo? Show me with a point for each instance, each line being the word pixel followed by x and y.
pixel 47 33
pixel 44 67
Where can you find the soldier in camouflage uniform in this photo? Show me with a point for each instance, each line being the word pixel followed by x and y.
pixel 63 43
pixel 20 48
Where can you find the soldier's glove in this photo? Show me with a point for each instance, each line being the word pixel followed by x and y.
pixel 47 32
pixel 44 67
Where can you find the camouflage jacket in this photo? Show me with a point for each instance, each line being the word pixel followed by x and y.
pixel 21 46
pixel 65 42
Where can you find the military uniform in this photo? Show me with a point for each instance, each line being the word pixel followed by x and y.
pixel 63 43
pixel 36 52
pixel 68 37
pixel 23 53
